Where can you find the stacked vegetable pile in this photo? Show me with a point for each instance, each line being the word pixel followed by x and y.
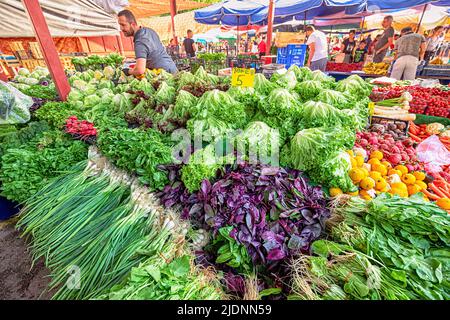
pixel 428 101
pixel 103 216
pixel 251 223
pixel 343 67
pixel 95 62
pixel 388 248
pixel 380 68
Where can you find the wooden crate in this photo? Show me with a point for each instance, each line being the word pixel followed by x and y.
pixel 16 46
pixel 67 63
pixel 31 64
pixel 36 50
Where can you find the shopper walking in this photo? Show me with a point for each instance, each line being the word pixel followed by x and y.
pixel 410 47
pixel 262 46
pixel 385 41
pixel 318 49
pixel 360 53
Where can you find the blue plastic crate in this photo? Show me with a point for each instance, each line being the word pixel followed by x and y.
pixel 7 209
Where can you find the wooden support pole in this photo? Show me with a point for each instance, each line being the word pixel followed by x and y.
pixel 270 27
pixel 47 47
pixel 173 12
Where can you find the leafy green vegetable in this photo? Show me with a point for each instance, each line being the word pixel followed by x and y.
pixel 310 148
pixel 262 85
pixel 138 151
pixel 319 114
pixel 309 89
pixel 165 94
pixel 28 168
pixel 203 164
pixel 259 142
pixel 222 106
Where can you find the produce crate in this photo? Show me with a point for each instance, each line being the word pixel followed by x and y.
pixel 22 54
pixel 436 70
pixel 16 46
pixel 382 120
pixel 292 54
pixel 67 63
pixel 8 208
pixel 32 63
pixel 36 50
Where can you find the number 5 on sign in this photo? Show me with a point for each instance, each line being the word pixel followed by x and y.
pixel 241 77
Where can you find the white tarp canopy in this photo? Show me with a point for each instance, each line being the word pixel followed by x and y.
pixel 65 18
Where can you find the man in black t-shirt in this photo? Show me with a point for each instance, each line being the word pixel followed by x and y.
pixel 189 45
pixel 348 46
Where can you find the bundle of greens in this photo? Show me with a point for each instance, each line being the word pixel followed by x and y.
pixel 409 236
pixel 319 114
pixel 262 85
pixel 93 221
pixel 222 106
pixel 309 89
pixel 56 113
pixel 259 143
pixel 203 164
pixel 287 80
pixel 320 153
pixel 13 138
pixel 185 105
pixel 29 167
pixel 355 86
pixel 137 151
pixel 158 279
pixel 340 272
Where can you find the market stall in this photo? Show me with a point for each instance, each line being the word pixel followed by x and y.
pixel 313 161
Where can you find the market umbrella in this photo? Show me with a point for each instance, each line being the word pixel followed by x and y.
pixel 231 13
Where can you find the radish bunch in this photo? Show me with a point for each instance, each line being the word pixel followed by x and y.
pixel 395 152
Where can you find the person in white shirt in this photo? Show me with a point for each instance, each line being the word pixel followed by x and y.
pixel 318 49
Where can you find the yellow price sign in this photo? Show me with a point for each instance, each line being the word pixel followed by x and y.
pixel 242 77
pixel 371 108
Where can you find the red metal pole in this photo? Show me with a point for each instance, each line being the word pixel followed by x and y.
pixel 119 41
pixel 47 47
pixel 270 27
pixel 173 12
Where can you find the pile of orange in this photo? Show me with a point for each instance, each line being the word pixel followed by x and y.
pixel 376 176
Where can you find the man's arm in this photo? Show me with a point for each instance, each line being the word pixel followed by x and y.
pixel 387 45
pixel 312 50
pixel 139 68
pixel 423 47
pixel 194 46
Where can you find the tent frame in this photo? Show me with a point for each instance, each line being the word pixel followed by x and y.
pixel 48 49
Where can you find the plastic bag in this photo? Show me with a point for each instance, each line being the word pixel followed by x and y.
pixel 432 152
pixel 14 105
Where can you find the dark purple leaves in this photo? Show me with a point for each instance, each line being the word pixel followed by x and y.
pixel 275 212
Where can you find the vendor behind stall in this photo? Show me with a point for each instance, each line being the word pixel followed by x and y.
pixel 150 52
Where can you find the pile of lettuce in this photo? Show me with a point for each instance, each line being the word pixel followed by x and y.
pixel 321 153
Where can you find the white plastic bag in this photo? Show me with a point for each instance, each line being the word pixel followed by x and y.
pixel 14 105
pixel 432 152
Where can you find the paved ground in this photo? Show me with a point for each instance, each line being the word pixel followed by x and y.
pixel 18 281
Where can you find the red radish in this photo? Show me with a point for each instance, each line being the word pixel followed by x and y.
pixel 373 140
pixel 394 159
pixel 363 142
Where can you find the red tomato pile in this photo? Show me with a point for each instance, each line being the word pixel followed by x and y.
pixel 344 67
pixel 429 101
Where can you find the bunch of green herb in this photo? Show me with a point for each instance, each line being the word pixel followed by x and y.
pixel 56 113
pixel 138 151
pixel 29 167
pixel 410 236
